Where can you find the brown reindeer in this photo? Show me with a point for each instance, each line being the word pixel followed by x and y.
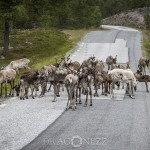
pixel 142 64
pixel 142 78
pixel 84 85
pixel 110 61
pixel 28 80
pixel 74 65
pixel 97 74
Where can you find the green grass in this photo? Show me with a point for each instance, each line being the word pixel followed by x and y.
pixel 47 44
pixel 146 43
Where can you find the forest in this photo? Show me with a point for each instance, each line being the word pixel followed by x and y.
pixel 61 14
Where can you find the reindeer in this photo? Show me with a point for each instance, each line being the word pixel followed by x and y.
pixel 110 61
pixel 142 64
pixel 28 80
pixel 97 74
pixel 84 84
pixel 58 79
pixel 7 76
pixel 124 76
pixel 18 64
pixel 142 78
pixel 71 82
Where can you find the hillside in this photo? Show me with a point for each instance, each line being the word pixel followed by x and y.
pixel 41 46
pixel 133 18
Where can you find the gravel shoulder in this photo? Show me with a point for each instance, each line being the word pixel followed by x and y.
pixel 22 120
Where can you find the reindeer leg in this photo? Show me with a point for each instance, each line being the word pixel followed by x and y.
pixel 111 89
pixel 106 88
pixel 146 86
pixel 43 90
pixel 5 89
pixel 55 96
pixel 32 90
pixel 49 87
pixel 10 88
pixel 102 89
pixel 1 90
pixel 90 92
pixel 86 101
pixel 68 103
pixel 26 93
pixel 130 92
pixel 62 87
pixel 132 88
pixel 73 100
pixel 58 89
pixel 80 102
pixel 96 91
pixel 76 95
pixel 13 84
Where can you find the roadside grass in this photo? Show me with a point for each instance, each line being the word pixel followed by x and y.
pixel 146 43
pixel 41 46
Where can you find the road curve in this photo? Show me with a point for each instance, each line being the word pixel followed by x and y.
pixel 108 124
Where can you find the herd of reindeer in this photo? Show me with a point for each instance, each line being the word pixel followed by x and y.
pixel 78 78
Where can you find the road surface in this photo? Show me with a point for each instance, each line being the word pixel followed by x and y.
pixel 108 124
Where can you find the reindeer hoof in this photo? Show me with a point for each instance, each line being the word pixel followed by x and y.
pixel 131 97
pixel 66 109
pixel 80 102
pixel 91 104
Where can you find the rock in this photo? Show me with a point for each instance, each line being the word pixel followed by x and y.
pixel 134 18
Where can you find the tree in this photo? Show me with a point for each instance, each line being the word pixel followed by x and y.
pixel 9 9
pixel 147 18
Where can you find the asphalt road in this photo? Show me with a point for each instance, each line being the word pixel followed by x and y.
pixel 108 124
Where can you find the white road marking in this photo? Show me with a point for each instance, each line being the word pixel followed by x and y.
pixel 102 50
